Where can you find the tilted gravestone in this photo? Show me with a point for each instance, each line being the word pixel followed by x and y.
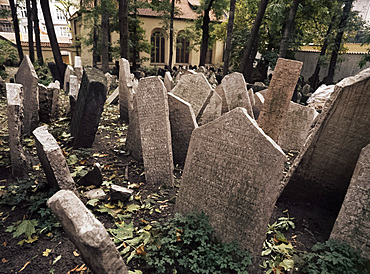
pixel 87 234
pixel 155 131
pixel 211 110
pixel 277 99
pixel 220 90
pixel 52 160
pixel 322 171
pixel 14 95
pixel 124 94
pixel 183 122
pixel 69 71
pixel 27 77
pixel 168 81
pixel 89 107
pixel 353 222
pixel 296 127
pixel 48 100
pixel 236 92
pixel 232 173
pixel 113 98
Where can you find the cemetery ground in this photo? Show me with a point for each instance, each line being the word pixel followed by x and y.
pixel 31 240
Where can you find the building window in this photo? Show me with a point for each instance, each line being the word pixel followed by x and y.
pixel 64 31
pixel 182 49
pixel 6 27
pixel 60 15
pixel 157 41
pixel 23 12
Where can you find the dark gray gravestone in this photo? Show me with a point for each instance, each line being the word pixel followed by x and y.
pixel 48 100
pixel 69 71
pixel 88 108
pixel 353 222
pixel 27 77
pixel 322 171
pixel 232 173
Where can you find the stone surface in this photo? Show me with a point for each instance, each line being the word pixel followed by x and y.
pixel 87 234
pixel 251 97
pixel 27 77
pixel 93 177
pixel 236 92
pixel 353 222
pixel 259 100
pixel 322 171
pixel 280 91
pixel 168 81
pixel 155 131
pixel 69 71
pixel 52 160
pixel 124 94
pixel 296 127
pixel 78 68
pixel 97 193
pixel 119 193
pixel 232 173
pixel 183 122
pixel 212 109
pixel 89 107
pixel 74 88
pixel 14 95
pixel 113 98
pixel 48 101
pixel 133 139
pixel 220 90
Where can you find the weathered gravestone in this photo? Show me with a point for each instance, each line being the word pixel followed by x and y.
pixel 27 77
pixel 232 173
pixel 73 93
pixel 133 139
pixel 86 233
pixel 52 160
pixel 322 171
pixel 277 99
pixel 296 127
pixel 220 90
pixel 69 71
pixel 14 95
pixel 236 93
pixel 155 132
pixel 211 110
pixel 78 68
pixel 251 97
pixel 353 222
pixel 124 94
pixel 113 98
pixel 48 100
pixel 183 122
pixel 89 107
pixel 168 81
pixel 259 100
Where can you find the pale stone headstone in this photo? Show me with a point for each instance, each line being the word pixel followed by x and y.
pixel 280 91
pixel 87 234
pixel 212 109
pixel 27 77
pixel 124 94
pixel 183 122
pixel 110 80
pixel 353 222
pixel 155 131
pixel 259 100
pixel 14 95
pixel 322 171
pixel 251 96
pixel 236 92
pixel 133 139
pixel 296 127
pixel 48 100
pixel 113 98
pixel 74 88
pixel 78 68
pixel 69 71
pixel 232 173
pixel 52 160
pixel 220 90
pixel 168 81
pixel 88 108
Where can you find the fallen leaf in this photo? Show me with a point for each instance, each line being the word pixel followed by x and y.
pixel 3 260
pixel 57 259
pixel 46 252
pixel 81 268
pixel 25 265
pixel 140 250
pixel 4 244
pixel 49 234
pixel 76 253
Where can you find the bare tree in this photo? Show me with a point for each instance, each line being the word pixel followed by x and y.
pixel 30 30
pixel 16 29
pixel 288 29
pixel 123 28
pixel 105 37
pixel 205 33
pixel 230 26
pixel 40 59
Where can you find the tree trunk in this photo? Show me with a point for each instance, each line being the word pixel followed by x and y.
pixel 40 59
pixel 135 40
pixel 123 28
pixel 95 39
pixel 104 38
pixel 172 16
pixel 205 34
pixel 31 50
pixel 338 40
pixel 288 29
pixel 16 29
pixel 53 39
pixel 250 50
pixel 230 25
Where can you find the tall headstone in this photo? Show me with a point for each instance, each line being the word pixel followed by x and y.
pixel 78 68
pixel 14 95
pixel 124 94
pixel 296 127
pixel 353 222
pixel 212 109
pixel 133 139
pixel 183 122
pixel 251 96
pixel 220 90
pixel 168 81
pixel 48 100
pixel 155 131
pixel 73 93
pixel 89 107
pixel 87 234
pixel 280 91
pixel 69 71
pixel 236 92
pixel 322 171
pixel 232 173
pixel 52 160
pixel 27 77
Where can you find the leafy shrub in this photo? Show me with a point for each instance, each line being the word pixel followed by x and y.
pixel 332 257
pixel 43 73
pixel 186 245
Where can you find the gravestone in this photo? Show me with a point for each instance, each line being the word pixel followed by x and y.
pixel 353 222
pixel 88 234
pixel 133 139
pixel 296 127
pixel 48 100
pixel 212 109
pixel 155 131
pixel 69 71
pixel 232 173
pixel 323 169
pixel 113 98
pixel 124 95
pixel 73 93
pixel 110 80
pixel 88 108
pixel 27 77
pixel 78 68
pixel 14 95
pixel 52 160
pixel 220 90
pixel 183 122
pixel 236 92
pixel 259 100
pixel 277 99
pixel 168 81
pixel 251 97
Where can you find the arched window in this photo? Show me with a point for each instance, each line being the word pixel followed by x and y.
pixel 182 49
pixel 157 42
